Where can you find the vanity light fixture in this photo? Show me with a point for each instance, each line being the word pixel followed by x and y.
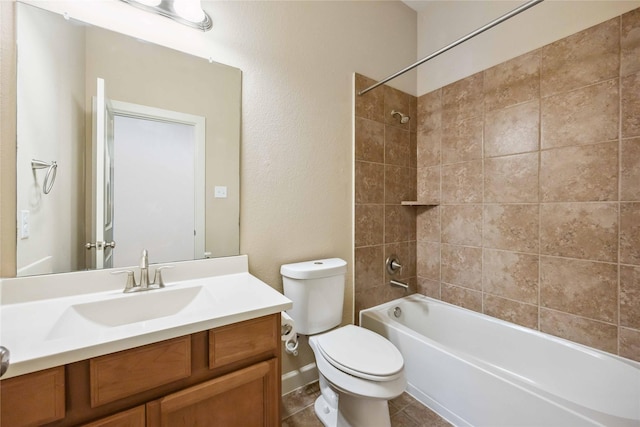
pixel 187 12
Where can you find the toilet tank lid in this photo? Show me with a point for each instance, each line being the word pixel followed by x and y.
pixel 314 269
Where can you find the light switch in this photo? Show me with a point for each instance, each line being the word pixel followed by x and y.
pixel 220 192
pixel 24 224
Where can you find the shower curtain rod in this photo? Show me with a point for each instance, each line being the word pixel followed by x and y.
pixel 480 30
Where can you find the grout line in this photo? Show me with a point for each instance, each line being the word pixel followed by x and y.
pixel 619 287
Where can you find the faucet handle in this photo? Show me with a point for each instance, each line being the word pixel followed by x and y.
pixel 131 280
pixel 157 277
pixel 144 259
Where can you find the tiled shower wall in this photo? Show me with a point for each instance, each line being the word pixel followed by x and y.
pixel 385 175
pixel 535 167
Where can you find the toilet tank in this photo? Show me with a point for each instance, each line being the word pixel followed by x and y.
pixel 317 291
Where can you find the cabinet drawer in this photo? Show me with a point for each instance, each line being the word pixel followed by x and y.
pixel 129 372
pixel 135 417
pixel 243 340
pixel 33 399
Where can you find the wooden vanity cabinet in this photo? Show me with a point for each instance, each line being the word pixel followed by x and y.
pixel 228 376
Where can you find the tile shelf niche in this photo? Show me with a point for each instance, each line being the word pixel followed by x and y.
pixel 417 203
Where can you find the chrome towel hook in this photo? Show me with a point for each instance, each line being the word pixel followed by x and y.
pixel 50 177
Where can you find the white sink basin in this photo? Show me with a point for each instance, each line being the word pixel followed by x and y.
pixel 125 309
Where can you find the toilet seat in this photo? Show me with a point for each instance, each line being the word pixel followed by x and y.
pixel 361 353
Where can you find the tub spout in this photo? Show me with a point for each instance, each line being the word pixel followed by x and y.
pixel 399 284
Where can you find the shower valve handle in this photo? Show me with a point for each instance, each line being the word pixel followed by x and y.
pixel 393 265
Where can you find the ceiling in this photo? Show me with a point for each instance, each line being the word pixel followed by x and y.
pixel 417 5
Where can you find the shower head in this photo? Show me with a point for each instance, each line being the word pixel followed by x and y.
pixel 403 119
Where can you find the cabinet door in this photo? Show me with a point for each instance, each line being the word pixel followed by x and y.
pixel 132 418
pixel 244 398
pixel 33 399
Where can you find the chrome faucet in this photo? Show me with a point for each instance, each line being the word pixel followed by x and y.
pixel 145 285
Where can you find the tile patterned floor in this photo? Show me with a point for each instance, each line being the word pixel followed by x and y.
pixel 405 411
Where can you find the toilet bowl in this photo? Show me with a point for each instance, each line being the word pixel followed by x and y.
pixel 359 370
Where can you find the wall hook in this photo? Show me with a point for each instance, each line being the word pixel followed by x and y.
pixel 50 177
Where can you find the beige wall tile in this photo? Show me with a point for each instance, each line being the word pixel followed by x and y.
pixel 429 184
pixel 511 179
pixel 462 99
pixel 512 82
pixel 630 343
pixel 583 116
pixel 369 268
pixel 510 275
pixel 430 288
pixel 630 43
pixel 585 288
pixel 630 169
pixel 429 106
pixel 462 297
pixel 371 104
pixel 631 105
pixel 369 182
pixel 580 230
pixel 630 296
pixel 428 224
pixel 584 331
pixel 462 182
pixel 369 225
pixel 581 174
pixel 399 224
pixel 512 130
pixel 397 146
pixel 462 224
pixel 399 184
pixel 429 129
pixel 398 101
pixel 461 140
pixel 584 58
pixel 630 233
pixel 428 260
pixel 512 311
pixel 428 148
pixel 413 150
pixel 462 266
pixel 369 140
pixel 511 227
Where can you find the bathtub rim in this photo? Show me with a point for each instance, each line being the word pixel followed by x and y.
pixel 563 341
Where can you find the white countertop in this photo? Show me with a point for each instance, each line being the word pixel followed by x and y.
pixel 85 314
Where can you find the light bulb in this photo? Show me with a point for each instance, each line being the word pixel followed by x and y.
pixel 189 10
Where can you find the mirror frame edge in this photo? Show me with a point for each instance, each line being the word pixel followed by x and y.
pixel 8 138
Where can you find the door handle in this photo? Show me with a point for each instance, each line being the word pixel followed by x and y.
pixel 100 245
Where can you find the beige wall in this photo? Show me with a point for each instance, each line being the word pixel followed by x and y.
pixel 298 60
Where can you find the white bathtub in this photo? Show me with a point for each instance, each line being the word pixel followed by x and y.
pixel 475 370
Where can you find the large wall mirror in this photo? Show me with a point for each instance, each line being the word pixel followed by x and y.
pixel 123 145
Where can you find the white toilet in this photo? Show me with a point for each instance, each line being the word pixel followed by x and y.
pixel 359 369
